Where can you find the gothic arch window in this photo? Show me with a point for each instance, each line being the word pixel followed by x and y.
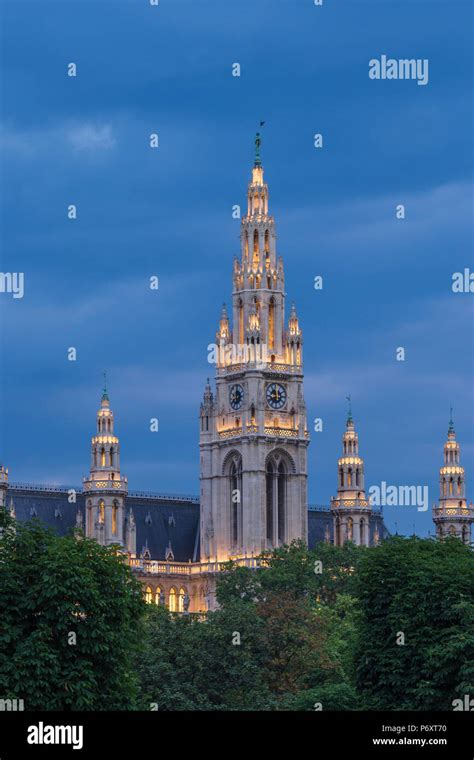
pixel 111 454
pixel 270 500
pixel 357 476
pixel 459 486
pixel 362 531
pixel 102 457
pixel 350 529
pixel 114 517
pixel 267 241
pixel 246 243
pixel 158 593
pixel 172 600
pixel 101 512
pixel 271 323
pixel 349 477
pixel 341 476
pixel 282 480
pixel 148 595
pixel 181 595
pixel 235 500
pixel 241 321
pixel 450 486
pixel 255 242
pixel 276 498
pixel 252 414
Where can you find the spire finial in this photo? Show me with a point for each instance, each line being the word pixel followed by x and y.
pixel 451 423
pixel 105 396
pixel 349 411
pixel 258 142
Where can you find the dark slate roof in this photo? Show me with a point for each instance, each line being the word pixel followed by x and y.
pixel 161 520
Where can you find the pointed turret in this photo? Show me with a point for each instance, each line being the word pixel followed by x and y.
pixel 3 485
pixel 453 515
pixel 351 509
pixel 105 487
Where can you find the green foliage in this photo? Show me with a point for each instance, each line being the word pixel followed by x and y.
pixel 271 641
pixel 425 590
pixel 50 588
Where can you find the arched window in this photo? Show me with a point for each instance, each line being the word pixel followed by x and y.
pixel 444 486
pixel 349 477
pixel 269 491
pixel 235 492
pixel 338 532
pixel 158 594
pixel 241 321
pixel 172 600
pixel 102 458
pixel 450 486
pixel 267 241
pixel 459 486
pixel 255 242
pixel 276 499
pixel 246 243
pixel 350 529
pixel 357 476
pixel 101 511
pixel 281 501
pixel 148 595
pixel 271 323
pixel 341 476
pixel 181 595
pixel 111 454
pixel 114 518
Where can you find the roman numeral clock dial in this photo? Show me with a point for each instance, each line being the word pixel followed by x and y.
pixel 276 395
pixel 236 396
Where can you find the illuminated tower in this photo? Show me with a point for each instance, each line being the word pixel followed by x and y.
pixel 350 509
pixel 3 485
pixel 253 434
pixel 453 516
pixel 105 488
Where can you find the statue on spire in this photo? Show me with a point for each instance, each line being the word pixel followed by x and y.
pixel 258 142
pixel 349 411
pixel 105 396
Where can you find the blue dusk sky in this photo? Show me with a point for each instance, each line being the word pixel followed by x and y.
pixel 168 212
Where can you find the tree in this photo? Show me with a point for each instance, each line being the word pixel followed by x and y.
pixel 416 640
pixel 70 620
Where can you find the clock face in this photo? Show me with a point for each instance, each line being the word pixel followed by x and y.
pixel 276 395
pixel 236 396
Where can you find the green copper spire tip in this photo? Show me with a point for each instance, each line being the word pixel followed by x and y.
pixel 105 396
pixel 451 423
pixel 258 142
pixel 349 411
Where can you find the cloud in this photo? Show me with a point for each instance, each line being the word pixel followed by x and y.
pixel 83 137
pixel 91 137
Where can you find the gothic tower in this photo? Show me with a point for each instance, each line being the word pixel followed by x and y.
pixel 105 488
pixel 253 434
pixel 3 485
pixel 453 516
pixel 350 509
